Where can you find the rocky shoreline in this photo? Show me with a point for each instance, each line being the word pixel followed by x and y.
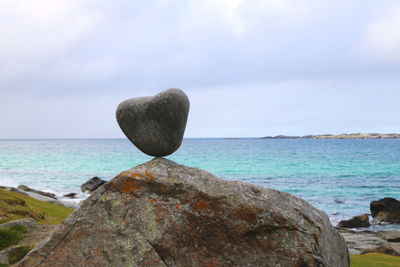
pixel 339 136
pixel 361 242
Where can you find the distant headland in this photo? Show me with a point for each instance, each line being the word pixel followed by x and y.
pixel 338 136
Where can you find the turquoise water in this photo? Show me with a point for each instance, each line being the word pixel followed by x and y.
pixel 340 177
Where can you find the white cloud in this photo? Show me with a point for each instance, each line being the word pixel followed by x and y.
pixel 248 65
pixel 382 35
pixel 31 27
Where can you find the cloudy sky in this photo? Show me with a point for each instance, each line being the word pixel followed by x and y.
pixel 250 67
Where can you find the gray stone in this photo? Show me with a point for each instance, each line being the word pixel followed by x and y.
pixel 155 125
pixel 164 214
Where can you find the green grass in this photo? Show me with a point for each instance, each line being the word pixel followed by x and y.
pixel 11 236
pixel 19 254
pixel 14 206
pixel 374 260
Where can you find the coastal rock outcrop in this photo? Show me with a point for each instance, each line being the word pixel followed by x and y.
pixel 155 125
pixel 355 222
pixel 360 242
pixel 92 184
pixel 164 214
pixel 28 189
pixel 386 210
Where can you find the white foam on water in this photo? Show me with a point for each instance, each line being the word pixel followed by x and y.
pixel 8 182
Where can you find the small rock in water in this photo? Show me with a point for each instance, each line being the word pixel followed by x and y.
pixel 386 210
pixel 70 195
pixel 339 201
pixel 355 222
pixel 155 125
pixel 92 184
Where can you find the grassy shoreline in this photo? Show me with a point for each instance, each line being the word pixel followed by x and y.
pixel 14 206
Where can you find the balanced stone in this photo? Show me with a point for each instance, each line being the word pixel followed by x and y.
pixel 156 124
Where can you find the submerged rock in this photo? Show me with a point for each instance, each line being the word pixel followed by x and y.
pixel 355 222
pixel 386 210
pixel 156 124
pixel 164 214
pixel 92 184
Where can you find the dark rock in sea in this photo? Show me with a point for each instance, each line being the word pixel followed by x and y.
pixel 339 201
pixel 156 124
pixel 28 189
pixel 386 210
pixel 70 195
pixel 164 214
pixel 355 222
pixel 92 184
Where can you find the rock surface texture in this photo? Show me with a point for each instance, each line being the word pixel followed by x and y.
pixel 156 124
pixel 164 214
pixel 386 210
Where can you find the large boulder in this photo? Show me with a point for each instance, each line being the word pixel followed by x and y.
pixel 386 210
pixel 164 214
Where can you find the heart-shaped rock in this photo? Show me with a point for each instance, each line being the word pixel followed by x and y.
pixel 155 124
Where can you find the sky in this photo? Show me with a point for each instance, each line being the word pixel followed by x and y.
pixel 250 68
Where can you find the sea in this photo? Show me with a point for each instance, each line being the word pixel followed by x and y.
pixel 338 176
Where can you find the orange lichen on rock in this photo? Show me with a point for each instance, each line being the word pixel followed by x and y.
pixel 153 200
pixel 148 175
pixel 200 205
pixel 130 187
